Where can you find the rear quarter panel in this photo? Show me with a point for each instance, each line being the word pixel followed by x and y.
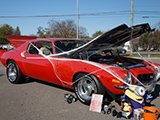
pixel 16 56
pixel 1 52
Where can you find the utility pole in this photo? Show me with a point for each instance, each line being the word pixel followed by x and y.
pixel 131 46
pixel 77 18
pixel 131 13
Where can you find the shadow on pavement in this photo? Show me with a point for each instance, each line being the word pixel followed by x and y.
pixel 156 92
pixel 1 75
pixel 54 85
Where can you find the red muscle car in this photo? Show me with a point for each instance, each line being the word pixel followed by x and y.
pixel 93 67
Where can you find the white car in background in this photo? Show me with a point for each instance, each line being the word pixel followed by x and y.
pixel 6 46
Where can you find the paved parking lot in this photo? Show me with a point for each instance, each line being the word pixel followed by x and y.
pixel 36 100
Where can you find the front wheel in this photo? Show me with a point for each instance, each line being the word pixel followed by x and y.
pixel 85 85
pixel 14 74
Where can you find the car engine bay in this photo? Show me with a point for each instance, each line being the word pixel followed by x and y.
pixel 109 57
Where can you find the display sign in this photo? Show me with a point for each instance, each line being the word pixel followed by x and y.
pixel 96 103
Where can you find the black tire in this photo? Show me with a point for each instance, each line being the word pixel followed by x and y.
pixel 85 85
pixel 14 74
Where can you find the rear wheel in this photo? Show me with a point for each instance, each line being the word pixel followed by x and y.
pixel 85 85
pixel 14 74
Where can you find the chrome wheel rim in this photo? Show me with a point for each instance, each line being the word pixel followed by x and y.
pixel 12 72
pixel 86 87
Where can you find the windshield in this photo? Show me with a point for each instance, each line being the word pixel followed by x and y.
pixel 67 45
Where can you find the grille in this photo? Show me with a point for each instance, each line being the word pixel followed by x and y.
pixel 145 77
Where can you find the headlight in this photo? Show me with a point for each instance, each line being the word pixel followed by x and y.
pixel 128 77
pixel 158 72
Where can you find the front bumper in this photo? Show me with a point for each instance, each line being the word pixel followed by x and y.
pixel 120 87
pixel 150 87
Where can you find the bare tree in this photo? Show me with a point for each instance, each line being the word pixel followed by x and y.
pixel 64 29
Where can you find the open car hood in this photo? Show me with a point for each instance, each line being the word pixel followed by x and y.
pixel 17 40
pixel 114 38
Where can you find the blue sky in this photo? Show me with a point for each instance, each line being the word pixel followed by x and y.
pixel 102 22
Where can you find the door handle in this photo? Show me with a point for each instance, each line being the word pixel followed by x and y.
pixel 24 57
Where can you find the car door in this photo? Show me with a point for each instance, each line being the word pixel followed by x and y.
pixel 64 64
pixel 37 65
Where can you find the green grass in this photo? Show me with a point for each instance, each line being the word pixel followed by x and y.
pixel 152 56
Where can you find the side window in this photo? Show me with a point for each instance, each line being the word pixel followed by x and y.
pixel 31 49
pixel 59 47
pixel 66 45
pixel 44 47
